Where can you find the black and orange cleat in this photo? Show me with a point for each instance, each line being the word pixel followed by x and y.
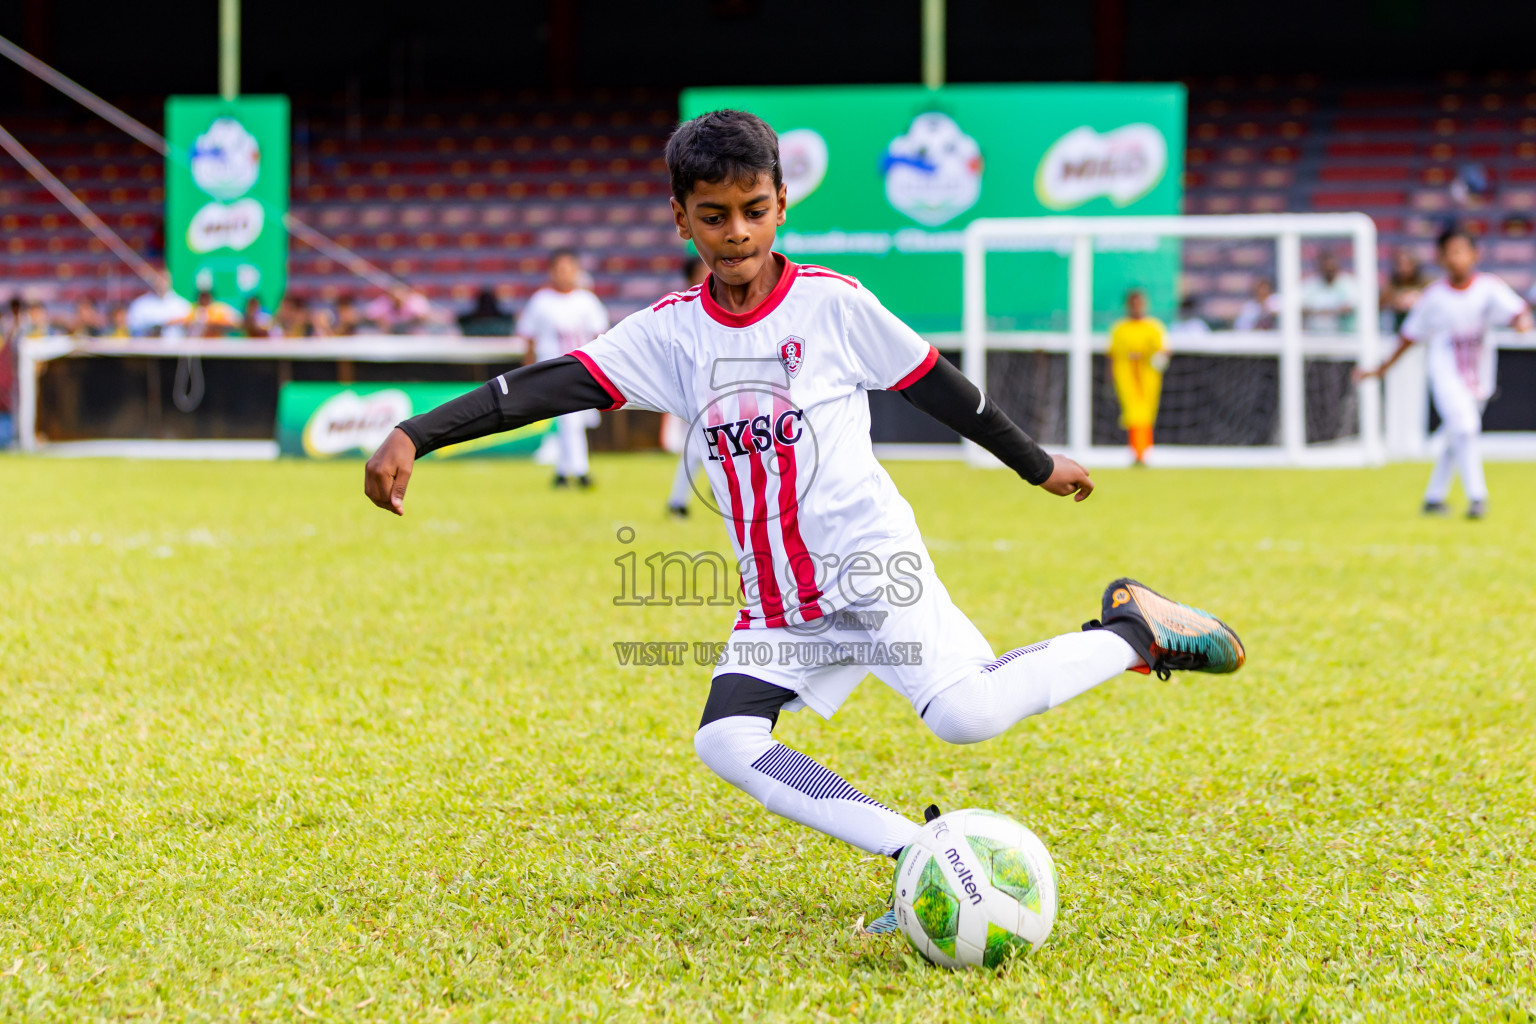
pixel 1168 635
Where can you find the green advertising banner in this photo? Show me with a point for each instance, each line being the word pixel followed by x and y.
pixel 325 421
pixel 226 193
pixel 882 180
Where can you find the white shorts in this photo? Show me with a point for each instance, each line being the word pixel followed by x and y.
pixel 917 649
pixel 1460 410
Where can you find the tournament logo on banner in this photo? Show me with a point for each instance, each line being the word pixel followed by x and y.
pixel 226 159
pixel 803 162
pixel 1122 165
pixel 933 172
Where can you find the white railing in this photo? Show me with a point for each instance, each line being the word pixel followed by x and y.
pixel 370 348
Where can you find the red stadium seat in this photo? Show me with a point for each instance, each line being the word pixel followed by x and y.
pixel 1387 172
pixel 1350 150
pixel 1341 200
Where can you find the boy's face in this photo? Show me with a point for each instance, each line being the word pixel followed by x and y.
pixel 1136 304
pixel 1458 257
pixel 732 225
pixel 564 273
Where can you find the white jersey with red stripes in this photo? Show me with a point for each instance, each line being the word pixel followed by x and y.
pixel 1454 322
pixel 777 405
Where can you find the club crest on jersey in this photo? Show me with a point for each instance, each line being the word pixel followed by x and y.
pixel 792 354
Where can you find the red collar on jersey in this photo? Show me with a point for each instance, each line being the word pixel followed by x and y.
pixel 768 305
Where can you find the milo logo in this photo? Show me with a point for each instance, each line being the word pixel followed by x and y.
pixel 1122 165
pixel 350 421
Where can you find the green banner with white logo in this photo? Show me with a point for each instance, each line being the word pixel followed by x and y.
pixel 882 180
pixel 327 421
pixel 226 193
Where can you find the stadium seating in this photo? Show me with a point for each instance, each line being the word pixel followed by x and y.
pixel 461 194
pixel 1302 144
pixel 468 192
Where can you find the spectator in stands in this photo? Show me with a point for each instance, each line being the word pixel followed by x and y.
pixel 157 313
pixel 13 317
pixel 401 310
pixel 322 323
pixel 39 321
pixel 117 323
pixel 293 320
pixel 211 318
pixel 257 322
pixel 1328 298
pixel 487 319
pixel 1188 320
pixel 1404 284
pixel 1262 312
pixel 1472 182
pixel 10 339
pixel 349 319
pixel 88 319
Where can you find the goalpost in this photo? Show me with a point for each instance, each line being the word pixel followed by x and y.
pixel 1262 378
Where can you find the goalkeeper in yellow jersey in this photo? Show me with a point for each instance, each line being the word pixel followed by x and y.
pixel 1138 354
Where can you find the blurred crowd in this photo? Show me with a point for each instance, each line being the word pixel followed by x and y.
pixel 169 315
pixel 1328 299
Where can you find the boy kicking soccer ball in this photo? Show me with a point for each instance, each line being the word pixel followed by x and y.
pixel 771 364
pixel 1453 316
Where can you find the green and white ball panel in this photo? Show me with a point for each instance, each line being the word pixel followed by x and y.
pixel 972 887
pixel 1018 865
pixel 927 908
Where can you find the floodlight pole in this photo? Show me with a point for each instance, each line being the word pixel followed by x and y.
pixel 933 43
pixel 229 48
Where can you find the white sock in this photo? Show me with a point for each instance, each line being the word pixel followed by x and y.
pixel 682 484
pixel 1469 458
pixel 1445 470
pixel 743 752
pixel 1026 682
pixel 571 435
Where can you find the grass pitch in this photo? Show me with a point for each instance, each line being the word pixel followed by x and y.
pixel 268 753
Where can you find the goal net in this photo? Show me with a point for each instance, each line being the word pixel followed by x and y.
pixel 1276 395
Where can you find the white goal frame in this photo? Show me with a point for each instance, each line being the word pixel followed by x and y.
pixel 1077 236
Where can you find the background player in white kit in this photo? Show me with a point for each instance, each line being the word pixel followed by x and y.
pixel 557 320
pixel 1453 317
pixel 771 364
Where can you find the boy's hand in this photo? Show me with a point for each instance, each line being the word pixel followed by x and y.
pixel 387 473
pixel 1068 477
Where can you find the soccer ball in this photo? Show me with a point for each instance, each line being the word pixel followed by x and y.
pixel 973 886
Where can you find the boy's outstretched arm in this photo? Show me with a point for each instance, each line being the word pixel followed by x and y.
pixel 948 396
pixel 1358 374
pixel 506 402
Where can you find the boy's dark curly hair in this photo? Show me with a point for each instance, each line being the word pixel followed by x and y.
pixel 720 146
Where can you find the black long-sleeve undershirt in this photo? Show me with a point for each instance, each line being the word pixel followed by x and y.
pixel 526 395
pixel 558 386
pixel 948 396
